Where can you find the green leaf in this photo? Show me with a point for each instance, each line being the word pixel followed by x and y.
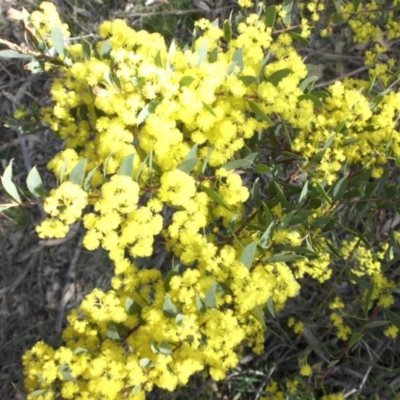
pixel 355 337
pixel 376 324
pixel 270 16
pixel 126 168
pixel 238 58
pixel 13 54
pixel 158 60
pixel 186 80
pixel 209 109
pixel 146 363
pixel 205 163
pixel 78 172
pixel 277 76
pixel 188 166
pixel 227 31
pixel 259 316
pixel 210 301
pixel 266 236
pixel 301 217
pixel 179 318
pixel 248 254
pixel 321 94
pixel 262 169
pixel 281 196
pixel 392 317
pixel 200 304
pixel 287 7
pixel 136 390
pixel 307 82
pixel 337 4
pixel 66 372
pixel 87 49
pixel 267 214
pixel 34 183
pixel 248 79
pixel 169 308
pixel 340 188
pixel 263 65
pixel 303 194
pixel 284 258
pixel 165 348
pixel 171 53
pixel 322 192
pixel 58 40
pixel 202 53
pixel 88 179
pixel 80 350
pixel 113 331
pixel 368 297
pixel 105 48
pixel 258 112
pixel 38 393
pixel 299 38
pixel 8 184
pixel 213 57
pixel 215 196
pixel 270 306
pixel 256 193
pixel 147 110
pixel 316 101
pixel 173 272
pixel 132 307
pixel 237 164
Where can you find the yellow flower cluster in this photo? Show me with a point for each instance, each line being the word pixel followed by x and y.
pixel 45 20
pixel 154 133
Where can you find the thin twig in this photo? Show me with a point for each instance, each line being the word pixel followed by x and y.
pixel 339 78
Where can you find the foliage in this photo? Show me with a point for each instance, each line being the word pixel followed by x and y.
pixel 224 154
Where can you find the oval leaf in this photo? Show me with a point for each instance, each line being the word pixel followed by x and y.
pixel 34 183
pixel 248 254
pixel 78 172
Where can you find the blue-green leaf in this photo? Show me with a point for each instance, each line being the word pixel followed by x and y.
pixel 209 109
pixel 169 308
pixel 126 168
pixel 66 372
pixel 315 100
pixel 256 193
pixel 227 31
pixel 266 236
pixel 215 196
pixel 202 53
pixel 287 7
pixel 13 54
pixel 270 16
pixel 238 58
pixel 147 110
pixel 299 38
pixel 188 166
pixel 340 188
pixel 9 185
pixel 58 40
pixel 34 183
pixel 258 112
pixel 210 300
pixel 277 76
pixel 78 172
pixel 236 164
pixel 248 254
pixel 186 80
pixel 132 307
